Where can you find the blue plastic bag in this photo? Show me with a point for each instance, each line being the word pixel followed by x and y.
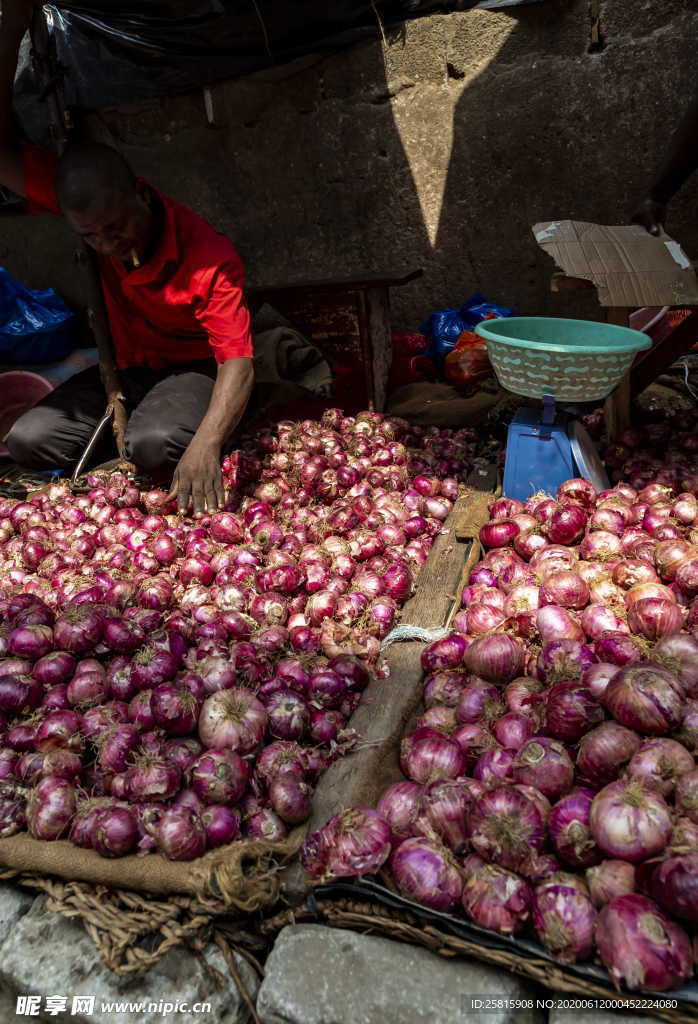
pixel 444 328
pixel 35 326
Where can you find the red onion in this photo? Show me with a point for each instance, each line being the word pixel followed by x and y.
pixel 358 842
pixel 566 524
pixel 597 619
pixel 31 641
pixel 545 765
pixel 400 805
pixel 679 654
pixel 497 658
pixel 234 719
pixel 54 668
pixel 19 693
pixel 479 702
pixel 431 758
pixel 659 763
pixel 444 654
pixel 686 796
pixel 493 766
pixel 566 589
pixel 640 947
pixel 604 751
pixel 115 832
pixel 78 629
pixel 648 699
pixel 443 688
pixel 152 779
pixel 569 830
pixel 290 798
pixel 426 872
pixel 497 899
pixel 499 534
pixel 506 827
pixel 618 649
pixel 630 822
pixel 571 711
pixel 555 623
pixel 577 490
pixel 610 879
pixel 181 835
pixel 222 825
pixel 50 808
pixel 564 921
pixel 266 825
pixel 513 729
pixel 655 618
pixel 522 695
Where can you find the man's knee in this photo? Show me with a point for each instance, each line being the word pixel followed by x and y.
pixel 27 440
pixel 148 446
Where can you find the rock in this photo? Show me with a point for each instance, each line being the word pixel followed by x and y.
pixel 14 904
pixel 319 975
pixel 48 955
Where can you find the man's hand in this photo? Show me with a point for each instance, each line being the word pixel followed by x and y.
pixel 16 16
pixel 198 480
pixel 651 216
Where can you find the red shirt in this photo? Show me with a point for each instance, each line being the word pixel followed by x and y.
pixel 185 304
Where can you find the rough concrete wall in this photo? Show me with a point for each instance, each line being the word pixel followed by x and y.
pixel 437 149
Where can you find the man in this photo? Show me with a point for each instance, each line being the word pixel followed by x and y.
pixel 173 293
pixel 679 164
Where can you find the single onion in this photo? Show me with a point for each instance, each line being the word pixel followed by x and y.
pixel 400 805
pixel 545 765
pixel 497 658
pixel 609 879
pixel 570 834
pixel 686 795
pixel 629 822
pixel 497 899
pixel 181 834
pixel 603 752
pixel 674 885
pixel 505 827
pixel 431 758
pixel 640 947
pixel 659 763
pixel 425 871
pixel 115 832
pixel 444 654
pixel 50 808
pixel 564 921
pixel 645 698
pixel 232 719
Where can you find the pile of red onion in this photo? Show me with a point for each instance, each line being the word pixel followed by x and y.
pixel 550 783
pixel 170 684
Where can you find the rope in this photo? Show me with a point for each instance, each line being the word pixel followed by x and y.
pixel 400 633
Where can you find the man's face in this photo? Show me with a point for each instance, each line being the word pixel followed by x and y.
pixel 114 224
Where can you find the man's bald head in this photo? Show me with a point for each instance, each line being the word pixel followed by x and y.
pixel 92 172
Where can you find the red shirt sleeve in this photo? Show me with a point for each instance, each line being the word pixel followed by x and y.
pixel 39 171
pixel 225 316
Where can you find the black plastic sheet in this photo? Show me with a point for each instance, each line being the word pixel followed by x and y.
pixel 369 889
pixel 118 52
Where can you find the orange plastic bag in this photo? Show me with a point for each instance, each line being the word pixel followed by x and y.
pixel 468 363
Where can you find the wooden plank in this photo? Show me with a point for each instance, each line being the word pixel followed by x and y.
pixel 393 280
pixel 390 704
pixel 652 364
pixel 483 482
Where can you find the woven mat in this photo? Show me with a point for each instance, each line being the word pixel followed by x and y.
pixel 376 919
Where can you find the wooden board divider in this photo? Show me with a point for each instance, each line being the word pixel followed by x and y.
pixel 390 704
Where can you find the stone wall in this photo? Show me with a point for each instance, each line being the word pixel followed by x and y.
pixel 438 147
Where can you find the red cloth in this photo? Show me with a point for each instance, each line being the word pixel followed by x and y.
pixel 185 304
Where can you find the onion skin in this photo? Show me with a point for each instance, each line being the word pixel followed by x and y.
pixel 647 699
pixel 609 879
pixel 686 796
pixel 629 822
pixel 564 921
pixel 497 899
pixel 640 947
pixel 506 828
pixel 569 830
pixel 545 765
pixel 603 752
pixel 659 763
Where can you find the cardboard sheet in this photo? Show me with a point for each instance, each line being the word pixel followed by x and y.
pixel 627 266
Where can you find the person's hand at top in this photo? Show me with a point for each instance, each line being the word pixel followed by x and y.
pixel 16 16
pixel 650 215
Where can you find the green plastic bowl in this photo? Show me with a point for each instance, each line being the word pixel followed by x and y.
pixel 573 360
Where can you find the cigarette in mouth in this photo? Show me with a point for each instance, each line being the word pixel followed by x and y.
pixel 134 258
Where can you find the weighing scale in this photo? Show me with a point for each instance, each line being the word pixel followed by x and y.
pixel 563 363
pixel 545 448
